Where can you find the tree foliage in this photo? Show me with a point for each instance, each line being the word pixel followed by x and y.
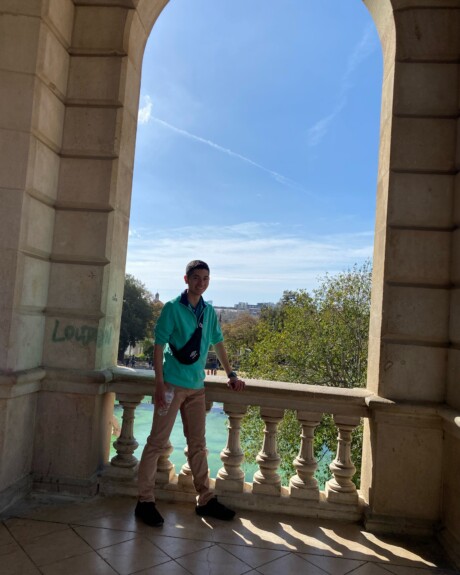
pixel 318 339
pixel 240 337
pixel 138 314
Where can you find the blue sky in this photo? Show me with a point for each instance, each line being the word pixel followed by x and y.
pixel 257 145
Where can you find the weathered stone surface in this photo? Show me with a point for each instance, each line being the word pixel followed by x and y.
pixel 70 78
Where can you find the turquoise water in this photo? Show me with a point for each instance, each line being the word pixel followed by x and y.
pixel 216 437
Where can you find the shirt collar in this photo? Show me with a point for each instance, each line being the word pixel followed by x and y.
pixel 184 300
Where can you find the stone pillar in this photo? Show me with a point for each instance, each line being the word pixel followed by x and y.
pixel 341 489
pixel 70 76
pixel 126 443
pixel 230 477
pixel 34 61
pixel 185 477
pixel 88 239
pixel 267 481
pixel 165 468
pixel 412 286
pixel 304 485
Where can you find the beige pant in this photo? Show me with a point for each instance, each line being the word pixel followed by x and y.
pixel 192 405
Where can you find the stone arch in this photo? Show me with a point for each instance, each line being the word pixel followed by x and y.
pixel 71 71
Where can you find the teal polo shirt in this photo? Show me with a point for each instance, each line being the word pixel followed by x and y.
pixel 176 324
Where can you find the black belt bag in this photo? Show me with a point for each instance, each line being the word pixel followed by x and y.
pixel 190 352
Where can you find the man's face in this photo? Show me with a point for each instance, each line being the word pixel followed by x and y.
pixel 198 282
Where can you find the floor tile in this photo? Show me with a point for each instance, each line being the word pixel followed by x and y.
pixel 177 547
pixel 98 538
pixel 87 564
pixel 350 542
pixel 104 537
pixel 371 569
pixel 55 547
pixel 253 556
pixel 213 561
pixel 5 535
pixel 170 568
pixel 406 570
pixel 117 521
pixel 17 563
pixel 8 548
pixel 25 530
pixel 134 555
pixel 333 565
pixel 60 510
pixel 259 534
pixel 291 563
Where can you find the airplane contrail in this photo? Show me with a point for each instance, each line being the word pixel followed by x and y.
pixel 278 177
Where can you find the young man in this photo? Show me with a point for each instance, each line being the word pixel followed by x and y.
pixel 185 330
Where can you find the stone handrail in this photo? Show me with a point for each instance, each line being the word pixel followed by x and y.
pixel 340 498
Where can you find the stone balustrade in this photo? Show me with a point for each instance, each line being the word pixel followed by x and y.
pixel 302 496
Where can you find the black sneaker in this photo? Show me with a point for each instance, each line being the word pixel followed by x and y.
pixel 148 513
pixel 215 509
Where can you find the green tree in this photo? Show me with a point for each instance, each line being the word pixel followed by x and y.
pixel 148 343
pixel 240 337
pixel 318 339
pixel 137 314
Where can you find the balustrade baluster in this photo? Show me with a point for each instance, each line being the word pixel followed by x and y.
pixel 126 444
pixel 341 489
pixel 230 477
pixel 185 477
pixel 304 485
pixel 266 480
pixel 165 468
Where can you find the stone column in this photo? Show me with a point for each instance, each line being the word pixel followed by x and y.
pixel 341 489
pixel 185 477
pixel 267 481
pixel 87 248
pixel 304 485
pixel 126 443
pixel 412 296
pixel 165 468
pixel 34 64
pixel 231 477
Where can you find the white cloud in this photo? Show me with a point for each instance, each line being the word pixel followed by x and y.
pixel 145 112
pixel 317 132
pixel 362 50
pixel 249 262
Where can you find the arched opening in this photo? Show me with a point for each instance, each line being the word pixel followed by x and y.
pixel 260 141
pixel 67 181
pixel 256 150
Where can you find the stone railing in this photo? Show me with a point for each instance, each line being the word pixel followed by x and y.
pixel 340 499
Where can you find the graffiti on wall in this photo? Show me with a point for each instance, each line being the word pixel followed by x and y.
pixel 84 334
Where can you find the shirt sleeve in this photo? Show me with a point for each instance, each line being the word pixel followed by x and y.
pixel 165 325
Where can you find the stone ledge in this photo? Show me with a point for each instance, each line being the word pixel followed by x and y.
pixel 16 384
pixel 113 484
pixel 15 492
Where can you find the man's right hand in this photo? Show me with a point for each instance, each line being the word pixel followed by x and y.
pixel 160 401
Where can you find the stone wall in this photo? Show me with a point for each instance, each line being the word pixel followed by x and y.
pixel 70 74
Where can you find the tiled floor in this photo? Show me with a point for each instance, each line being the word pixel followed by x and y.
pixel 59 536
